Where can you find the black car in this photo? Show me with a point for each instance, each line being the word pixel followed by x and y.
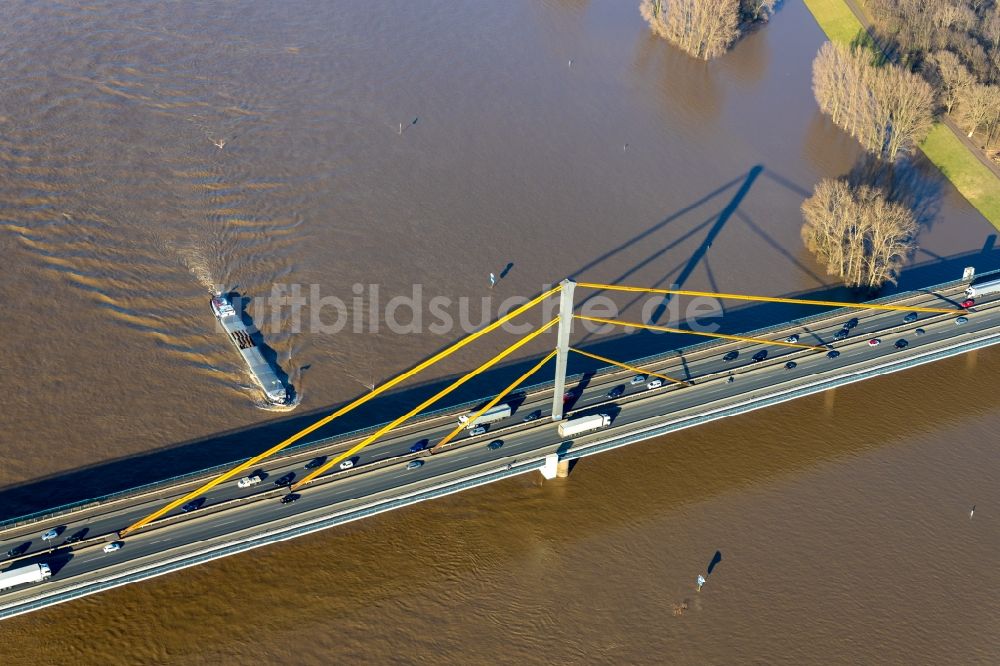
pixel 495 444
pixel 17 550
pixel 731 356
pixel 289 498
pixel 759 356
pixel 535 415
pixel 616 392
pixel 910 318
pixel 851 323
pixel 901 343
pixel 316 462
pixel 833 353
pixel 419 446
pixel 193 504
pixel 791 365
pixel 78 535
pixel 286 480
pixel 841 334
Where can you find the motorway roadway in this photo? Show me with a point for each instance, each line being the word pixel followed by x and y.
pixel 382 466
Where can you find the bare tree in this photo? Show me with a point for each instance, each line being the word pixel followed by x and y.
pixel 704 28
pixel 949 77
pixel 887 109
pixel 753 11
pixel 980 108
pixel 857 233
pixel 917 28
pixel 948 17
pixel 905 106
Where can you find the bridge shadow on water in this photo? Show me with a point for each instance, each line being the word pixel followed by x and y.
pixel 239 444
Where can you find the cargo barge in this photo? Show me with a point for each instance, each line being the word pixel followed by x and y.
pixel 239 335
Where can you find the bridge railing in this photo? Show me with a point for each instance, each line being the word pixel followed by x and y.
pixel 275 536
pixel 456 408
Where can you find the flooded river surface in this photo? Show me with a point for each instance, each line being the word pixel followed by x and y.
pixel 150 153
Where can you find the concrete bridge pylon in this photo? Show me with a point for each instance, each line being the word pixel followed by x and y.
pixel 562 345
pixel 555 468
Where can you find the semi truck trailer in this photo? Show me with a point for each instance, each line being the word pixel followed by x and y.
pixel 584 424
pixel 32 573
pixel 983 288
pixel 495 413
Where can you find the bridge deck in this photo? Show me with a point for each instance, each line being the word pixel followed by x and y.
pixel 237 519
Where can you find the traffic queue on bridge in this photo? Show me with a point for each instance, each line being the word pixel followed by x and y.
pixel 476 424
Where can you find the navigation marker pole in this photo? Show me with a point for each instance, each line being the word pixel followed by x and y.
pixel 562 346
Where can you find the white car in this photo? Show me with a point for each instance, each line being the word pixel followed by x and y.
pixel 113 546
pixel 794 337
pixel 638 379
pixel 248 481
pixel 478 430
pixel 51 534
pixel 347 464
pixel 656 383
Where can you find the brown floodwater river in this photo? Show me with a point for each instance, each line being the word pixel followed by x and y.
pixel 153 152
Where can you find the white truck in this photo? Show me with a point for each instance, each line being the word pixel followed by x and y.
pixel 584 424
pixel 494 413
pixel 33 573
pixel 983 288
pixel 248 481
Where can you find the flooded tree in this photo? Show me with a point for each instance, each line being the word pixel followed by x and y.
pixel 757 11
pixel 857 233
pixel 886 108
pixel 704 28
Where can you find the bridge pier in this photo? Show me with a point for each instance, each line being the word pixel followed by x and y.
pixel 562 346
pixel 555 468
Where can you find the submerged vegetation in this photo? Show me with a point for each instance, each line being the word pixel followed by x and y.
pixel 704 29
pixel 886 108
pixel 860 236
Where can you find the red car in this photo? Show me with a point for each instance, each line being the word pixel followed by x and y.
pixel 968 303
